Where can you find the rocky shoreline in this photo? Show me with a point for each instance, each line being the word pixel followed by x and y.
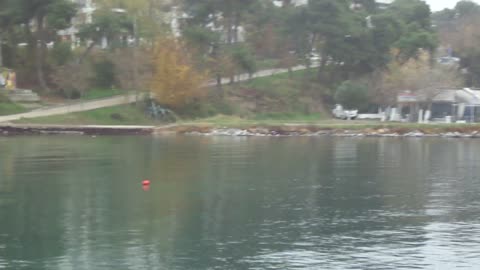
pixel 464 131
pixel 289 131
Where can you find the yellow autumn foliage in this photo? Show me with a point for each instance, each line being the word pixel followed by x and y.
pixel 175 82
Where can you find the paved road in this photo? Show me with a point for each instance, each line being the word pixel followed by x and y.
pixel 71 108
pixel 121 100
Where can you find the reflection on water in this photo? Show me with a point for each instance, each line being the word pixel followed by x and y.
pixel 239 203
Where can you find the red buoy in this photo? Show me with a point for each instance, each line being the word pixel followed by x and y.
pixel 146 185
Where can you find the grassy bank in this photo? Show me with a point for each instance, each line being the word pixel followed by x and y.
pixel 327 124
pixel 119 115
pixel 7 108
pixel 301 125
pixel 266 120
pixel 228 125
pixel 281 97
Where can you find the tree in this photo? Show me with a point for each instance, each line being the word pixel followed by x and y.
pixel 415 16
pixel 329 22
pixel 471 63
pixel 147 16
pixel 467 8
pixel 352 95
pixel 124 70
pixel 418 76
pixel 222 17
pixel 175 82
pixel 5 22
pixel 243 59
pixel 459 33
pixel 106 24
pixel 73 79
pixel 48 16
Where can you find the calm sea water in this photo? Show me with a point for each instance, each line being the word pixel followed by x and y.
pixel 239 203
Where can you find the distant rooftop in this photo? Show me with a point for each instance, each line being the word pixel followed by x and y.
pixel 304 2
pixel 385 2
pixel 279 3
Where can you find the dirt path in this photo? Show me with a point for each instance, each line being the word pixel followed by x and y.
pixel 72 108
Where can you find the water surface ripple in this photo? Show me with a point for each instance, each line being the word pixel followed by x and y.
pixel 239 203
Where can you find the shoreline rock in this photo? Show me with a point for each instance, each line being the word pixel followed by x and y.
pixel 254 131
pixel 282 132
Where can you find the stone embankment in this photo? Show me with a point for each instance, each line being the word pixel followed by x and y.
pixel 257 131
pixel 310 131
pixel 11 130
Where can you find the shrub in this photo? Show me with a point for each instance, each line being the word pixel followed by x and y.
pixel 72 80
pixel 104 71
pixel 117 116
pixel 61 53
pixel 352 95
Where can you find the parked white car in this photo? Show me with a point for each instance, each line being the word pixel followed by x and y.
pixel 340 113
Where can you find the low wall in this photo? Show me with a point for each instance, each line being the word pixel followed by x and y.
pixel 10 130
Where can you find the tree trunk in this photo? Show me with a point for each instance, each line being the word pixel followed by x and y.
pixel 321 68
pixel 1 52
pixel 12 42
pixel 40 53
pixel 229 23
pixel 229 15
pixel 31 51
pixel 219 86
pixel 236 25
pixel 135 59
pixel 87 52
pixel 215 55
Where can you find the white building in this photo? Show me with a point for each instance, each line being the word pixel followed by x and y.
pixel 84 16
pixel 384 3
pixel 279 3
pixel 380 3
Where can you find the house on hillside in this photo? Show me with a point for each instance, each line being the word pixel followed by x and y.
pixel 383 4
pixel 447 105
pixel 84 16
pixel 279 3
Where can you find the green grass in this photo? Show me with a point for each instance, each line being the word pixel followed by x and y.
pixel 261 120
pixel 289 117
pixel 266 82
pixel 267 64
pixel 280 97
pixel 119 115
pixel 323 123
pixel 102 93
pixel 7 108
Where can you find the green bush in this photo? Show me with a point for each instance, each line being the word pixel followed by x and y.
pixel 352 96
pixel 62 53
pixel 104 71
pixel 244 58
